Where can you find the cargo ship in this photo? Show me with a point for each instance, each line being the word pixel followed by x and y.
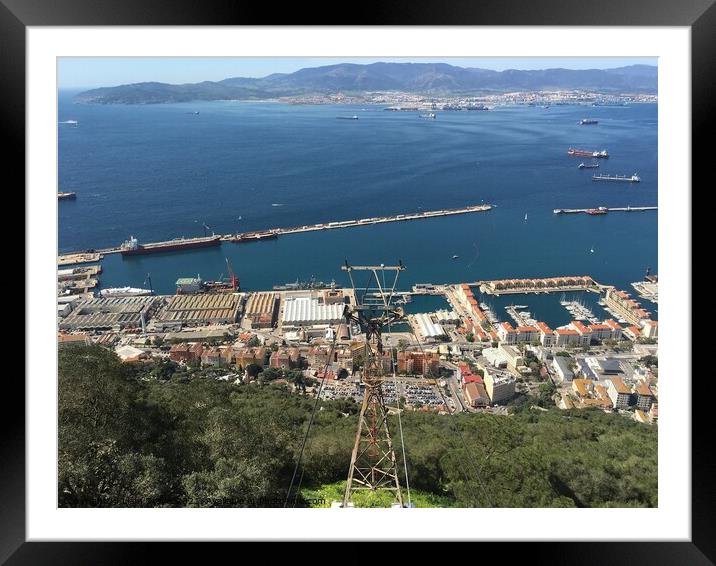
pixel 133 247
pixel 588 121
pixel 633 179
pixel 588 166
pixel 430 116
pixel 66 196
pixel 598 210
pixel 312 283
pixel 347 117
pixel 587 153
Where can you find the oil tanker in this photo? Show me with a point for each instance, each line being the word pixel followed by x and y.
pixel 587 153
pixel 133 247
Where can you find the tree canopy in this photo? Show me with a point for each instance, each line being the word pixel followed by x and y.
pixel 129 441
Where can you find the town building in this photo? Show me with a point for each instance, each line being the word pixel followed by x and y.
pixel 582 387
pixel 214 356
pixel 546 335
pixel 512 355
pixel 619 393
pixel 650 329
pixel 475 394
pixel 186 352
pixel 566 336
pixel 644 397
pixel 418 363
pixel 626 307
pixel 499 387
pixel 562 368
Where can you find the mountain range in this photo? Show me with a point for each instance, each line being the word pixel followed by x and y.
pixel 347 78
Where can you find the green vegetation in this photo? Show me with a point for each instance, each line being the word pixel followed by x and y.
pixel 323 495
pixel 130 439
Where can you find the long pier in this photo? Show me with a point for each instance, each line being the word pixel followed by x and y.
pixel 273 233
pixel 604 209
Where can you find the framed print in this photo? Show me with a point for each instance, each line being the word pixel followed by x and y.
pixel 407 268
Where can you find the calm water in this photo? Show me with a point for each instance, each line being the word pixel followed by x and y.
pixel 160 171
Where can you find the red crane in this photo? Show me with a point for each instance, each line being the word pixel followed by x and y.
pixel 233 280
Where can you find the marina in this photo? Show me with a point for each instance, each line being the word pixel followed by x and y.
pixel 489 313
pixel 579 311
pixel 521 318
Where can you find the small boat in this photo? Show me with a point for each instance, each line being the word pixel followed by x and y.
pixel 588 165
pixel 455 256
pixel 354 117
pixel 591 250
pixel 525 217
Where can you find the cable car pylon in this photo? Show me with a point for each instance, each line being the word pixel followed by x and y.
pixel 373 464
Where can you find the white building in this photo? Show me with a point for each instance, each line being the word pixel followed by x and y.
pixel 499 387
pixel 618 392
pixel 307 311
pixel 560 364
pixel 427 327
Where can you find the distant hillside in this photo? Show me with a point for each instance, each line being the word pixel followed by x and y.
pixel 419 78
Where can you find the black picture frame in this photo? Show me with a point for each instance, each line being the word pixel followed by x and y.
pixel 17 15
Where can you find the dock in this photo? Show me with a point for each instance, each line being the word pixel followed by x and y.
pixel 79 273
pixel 648 290
pixel 77 258
pixel 604 209
pixel 273 233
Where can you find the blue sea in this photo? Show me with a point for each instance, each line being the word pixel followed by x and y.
pixel 162 171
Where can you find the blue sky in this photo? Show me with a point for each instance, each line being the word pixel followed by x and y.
pixel 89 72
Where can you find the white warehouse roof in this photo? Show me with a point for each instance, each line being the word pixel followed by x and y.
pixel 428 328
pixel 307 310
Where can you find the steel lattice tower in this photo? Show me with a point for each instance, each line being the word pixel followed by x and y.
pixel 373 463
